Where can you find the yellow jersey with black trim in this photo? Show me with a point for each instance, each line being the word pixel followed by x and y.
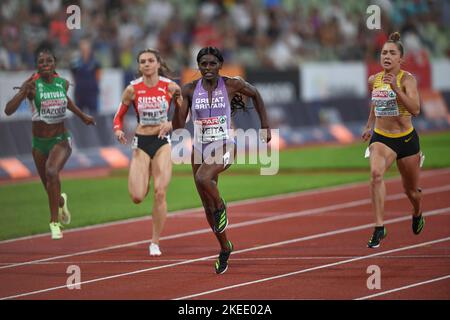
pixel 385 99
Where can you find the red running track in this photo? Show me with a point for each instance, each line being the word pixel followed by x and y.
pixel 308 245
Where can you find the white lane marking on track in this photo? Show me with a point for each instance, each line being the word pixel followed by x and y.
pixel 236 225
pixel 400 257
pixel 404 287
pixel 312 269
pixel 283 196
pixel 321 235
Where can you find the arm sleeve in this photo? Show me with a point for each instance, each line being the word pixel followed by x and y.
pixel 118 118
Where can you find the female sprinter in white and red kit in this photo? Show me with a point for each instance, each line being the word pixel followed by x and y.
pixel 151 95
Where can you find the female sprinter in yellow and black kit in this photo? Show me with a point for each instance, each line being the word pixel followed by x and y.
pixel 395 99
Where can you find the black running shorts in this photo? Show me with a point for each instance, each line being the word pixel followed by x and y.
pixel 149 144
pixel 404 146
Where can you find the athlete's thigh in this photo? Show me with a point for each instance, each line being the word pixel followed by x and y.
pixel 59 155
pixel 161 166
pixel 222 158
pixel 409 168
pixel 139 173
pixel 210 171
pixel 232 151
pixel 381 157
pixel 206 171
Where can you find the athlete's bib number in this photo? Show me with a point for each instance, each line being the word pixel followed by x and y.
pixel 53 111
pixel 211 129
pixel 152 117
pixel 153 113
pixel 385 102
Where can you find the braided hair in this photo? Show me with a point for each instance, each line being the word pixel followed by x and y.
pixel 237 102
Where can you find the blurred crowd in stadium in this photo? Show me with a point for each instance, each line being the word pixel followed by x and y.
pixel 274 34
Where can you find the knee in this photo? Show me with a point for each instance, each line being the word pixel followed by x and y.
pixel 136 198
pixel 413 193
pixel 376 176
pixel 201 181
pixel 51 174
pixel 160 195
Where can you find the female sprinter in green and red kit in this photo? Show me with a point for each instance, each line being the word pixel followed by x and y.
pixel 395 100
pixel 47 94
pixel 151 95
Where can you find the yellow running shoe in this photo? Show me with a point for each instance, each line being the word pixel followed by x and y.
pixel 64 213
pixel 55 228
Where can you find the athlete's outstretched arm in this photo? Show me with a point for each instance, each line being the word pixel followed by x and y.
pixel 28 89
pixel 180 114
pixel 175 94
pixel 87 119
pixel 252 92
pixel 127 97
pixel 410 97
pixel 367 133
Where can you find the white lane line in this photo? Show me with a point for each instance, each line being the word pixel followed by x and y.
pixel 156 261
pixel 283 196
pixel 278 217
pixel 312 269
pixel 321 235
pixel 404 288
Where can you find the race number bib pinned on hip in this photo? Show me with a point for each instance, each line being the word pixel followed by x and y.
pixel 134 144
pixel 422 159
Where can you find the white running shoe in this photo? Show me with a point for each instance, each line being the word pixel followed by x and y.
pixel 154 250
pixel 64 213
pixel 55 228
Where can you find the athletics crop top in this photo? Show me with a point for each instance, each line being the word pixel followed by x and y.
pixel 385 99
pixel 50 102
pixel 212 122
pixel 150 104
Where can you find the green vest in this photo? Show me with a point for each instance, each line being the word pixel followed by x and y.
pixel 50 102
